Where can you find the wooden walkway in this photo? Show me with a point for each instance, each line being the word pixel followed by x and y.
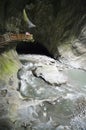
pixel 8 38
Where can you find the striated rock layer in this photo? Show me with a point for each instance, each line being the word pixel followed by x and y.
pixel 57 21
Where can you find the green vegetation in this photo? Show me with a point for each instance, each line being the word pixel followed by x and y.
pixel 9 64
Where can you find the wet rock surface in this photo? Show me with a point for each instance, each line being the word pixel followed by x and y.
pixel 42 101
pixel 40 74
pixel 51 95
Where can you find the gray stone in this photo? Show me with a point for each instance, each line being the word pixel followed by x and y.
pixel 79 48
pixel 51 75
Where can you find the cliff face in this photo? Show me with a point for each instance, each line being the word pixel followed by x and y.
pixel 10 15
pixel 57 21
pixel 29 95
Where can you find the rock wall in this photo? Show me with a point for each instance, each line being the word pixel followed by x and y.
pixel 11 15
pixel 57 21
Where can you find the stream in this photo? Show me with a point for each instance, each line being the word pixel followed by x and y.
pixel 53 95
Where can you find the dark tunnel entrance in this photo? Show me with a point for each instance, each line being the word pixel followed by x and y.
pixel 32 48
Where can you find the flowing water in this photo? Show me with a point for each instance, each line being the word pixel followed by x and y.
pixel 77 77
pixel 54 107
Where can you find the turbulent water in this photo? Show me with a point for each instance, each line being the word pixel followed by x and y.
pixel 52 106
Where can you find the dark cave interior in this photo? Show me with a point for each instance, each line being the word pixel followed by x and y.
pixel 32 48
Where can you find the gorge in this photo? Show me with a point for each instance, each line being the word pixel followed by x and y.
pixel 43 80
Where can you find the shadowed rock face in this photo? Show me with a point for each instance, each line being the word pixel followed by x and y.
pixel 8 9
pixel 57 22
pixel 11 15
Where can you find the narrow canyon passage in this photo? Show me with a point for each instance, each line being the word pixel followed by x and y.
pixel 32 48
pixel 38 91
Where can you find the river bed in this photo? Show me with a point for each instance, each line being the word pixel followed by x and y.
pixel 58 106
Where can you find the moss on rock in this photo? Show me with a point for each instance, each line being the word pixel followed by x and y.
pixel 9 64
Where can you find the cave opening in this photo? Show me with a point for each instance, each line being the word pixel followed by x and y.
pixel 32 48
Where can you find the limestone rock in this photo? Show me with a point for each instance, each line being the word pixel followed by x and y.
pixel 51 75
pixel 79 48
